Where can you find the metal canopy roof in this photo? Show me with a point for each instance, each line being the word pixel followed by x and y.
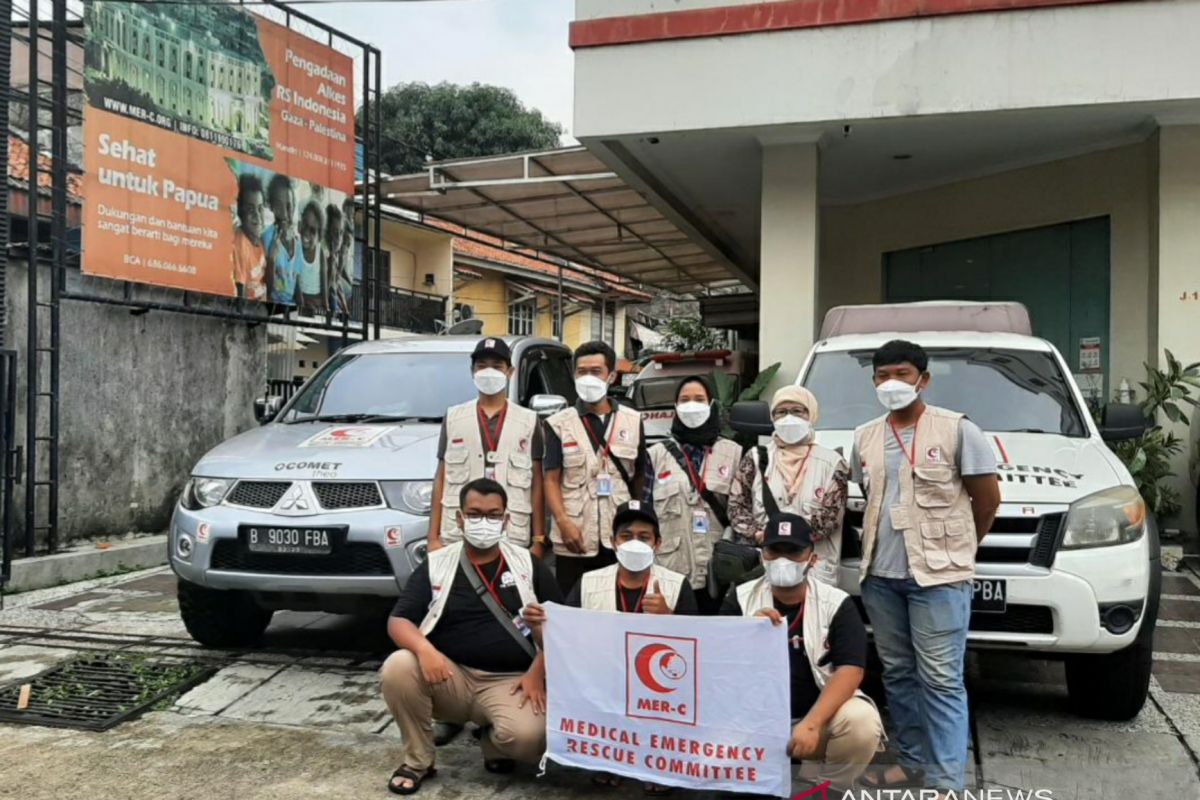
pixel 566 203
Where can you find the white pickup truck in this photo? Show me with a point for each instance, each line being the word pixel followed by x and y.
pixel 1071 568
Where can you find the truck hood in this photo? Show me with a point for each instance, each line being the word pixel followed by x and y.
pixel 1036 468
pixel 392 451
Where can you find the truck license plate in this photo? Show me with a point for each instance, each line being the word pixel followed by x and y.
pixel 991 596
pixel 298 541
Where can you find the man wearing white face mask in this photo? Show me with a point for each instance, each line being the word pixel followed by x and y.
pixel 489 437
pixel 929 476
pixel 690 479
pixel 796 475
pixel 837 730
pixel 595 461
pixel 466 652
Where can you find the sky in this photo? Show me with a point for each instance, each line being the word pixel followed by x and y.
pixel 518 44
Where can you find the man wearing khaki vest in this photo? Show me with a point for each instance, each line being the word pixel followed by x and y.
pixel 929 476
pixel 466 653
pixel 595 461
pixel 492 438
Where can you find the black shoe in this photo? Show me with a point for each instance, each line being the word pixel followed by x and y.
pixel 444 732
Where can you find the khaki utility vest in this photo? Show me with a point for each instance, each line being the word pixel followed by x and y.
pixel 818 473
pixel 465 461
pixel 676 502
pixel 598 588
pixel 934 510
pixel 581 469
pixel 443 568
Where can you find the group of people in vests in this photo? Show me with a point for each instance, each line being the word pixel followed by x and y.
pixel 633 528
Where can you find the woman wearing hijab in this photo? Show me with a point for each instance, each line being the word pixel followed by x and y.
pixel 802 477
pixel 693 474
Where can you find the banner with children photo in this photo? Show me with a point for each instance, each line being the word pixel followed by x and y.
pixel 219 154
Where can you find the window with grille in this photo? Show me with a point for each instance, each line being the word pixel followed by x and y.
pixel 522 309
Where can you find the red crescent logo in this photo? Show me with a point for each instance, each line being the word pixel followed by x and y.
pixel 669 665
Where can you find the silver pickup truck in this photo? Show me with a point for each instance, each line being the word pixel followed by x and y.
pixel 326 505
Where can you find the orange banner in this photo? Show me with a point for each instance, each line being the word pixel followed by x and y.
pixel 219 154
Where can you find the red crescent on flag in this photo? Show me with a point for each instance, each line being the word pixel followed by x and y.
pixel 641 664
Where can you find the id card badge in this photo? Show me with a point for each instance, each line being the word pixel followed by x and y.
pixel 900 518
pixel 700 522
pixel 604 486
pixel 519 622
pixel 796 641
pixel 489 473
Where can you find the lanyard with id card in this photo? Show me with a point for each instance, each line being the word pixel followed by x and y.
pixel 899 513
pixel 489 445
pixel 699 515
pixel 604 485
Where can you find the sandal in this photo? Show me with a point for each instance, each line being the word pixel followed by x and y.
pixel 656 790
pixel 606 780
pixel 913 778
pixel 499 766
pixel 408 774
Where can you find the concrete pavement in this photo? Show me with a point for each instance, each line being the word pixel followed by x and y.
pixel 300 716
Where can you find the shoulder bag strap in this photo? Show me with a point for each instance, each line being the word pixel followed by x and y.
pixel 770 504
pixel 714 502
pixel 499 613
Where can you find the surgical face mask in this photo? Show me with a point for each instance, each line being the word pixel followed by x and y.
pixel 635 556
pixel 792 430
pixel 785 573
pixel 895 395
pixel 491 381
pixel 591 389
pixel 483 533
pixel 693 414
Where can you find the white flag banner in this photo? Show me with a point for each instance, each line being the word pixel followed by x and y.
pixel 696 702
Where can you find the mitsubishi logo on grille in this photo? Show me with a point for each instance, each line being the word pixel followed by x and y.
pixel 297 502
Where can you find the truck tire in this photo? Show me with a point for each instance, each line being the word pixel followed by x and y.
pixel 217 618
pixel 1111 686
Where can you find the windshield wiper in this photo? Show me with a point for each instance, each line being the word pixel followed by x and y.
pixel 1028 430
pixel 360 417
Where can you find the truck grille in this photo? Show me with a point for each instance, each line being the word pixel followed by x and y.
pixel 352 558
pixel 341 495
pixel 1041 551
pixel 258 494
pixel 1016 619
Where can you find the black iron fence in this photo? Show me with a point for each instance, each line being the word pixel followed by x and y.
pixel 405 310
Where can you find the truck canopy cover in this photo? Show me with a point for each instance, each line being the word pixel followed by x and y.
pixel 938 315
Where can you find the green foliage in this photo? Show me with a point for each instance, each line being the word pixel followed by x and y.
pixel 450 121
pixel 688 335
pixel 1149 458
pixel 725 386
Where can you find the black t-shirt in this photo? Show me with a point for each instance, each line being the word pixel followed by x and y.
pixel 468 634
pixel 599 435
pixel 845 647
pixel 627 599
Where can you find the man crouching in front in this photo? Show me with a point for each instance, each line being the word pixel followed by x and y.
pixel 466 654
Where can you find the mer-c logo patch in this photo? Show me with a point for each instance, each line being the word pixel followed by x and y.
pixel 660 678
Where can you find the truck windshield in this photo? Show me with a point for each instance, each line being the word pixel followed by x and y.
pixel 655 392
pixel 1000 390
pixel 408 385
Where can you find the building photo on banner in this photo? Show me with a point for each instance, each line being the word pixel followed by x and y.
pixel 219 154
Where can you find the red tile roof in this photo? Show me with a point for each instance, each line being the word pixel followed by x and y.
pixel 18 170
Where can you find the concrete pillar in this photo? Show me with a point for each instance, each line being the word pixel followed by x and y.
pixel 788 263
pixel 1179 279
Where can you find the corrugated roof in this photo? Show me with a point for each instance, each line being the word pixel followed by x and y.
pixel 18 170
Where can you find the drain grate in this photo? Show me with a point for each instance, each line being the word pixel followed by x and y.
pixel 96 692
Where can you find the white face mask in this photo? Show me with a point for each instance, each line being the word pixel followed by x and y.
pixel 785 573
pixel 491 381
pixel 792 430
pixel 591 389
pixel 896 394
pixel 483 534
pixel 693 414
pixel 635 556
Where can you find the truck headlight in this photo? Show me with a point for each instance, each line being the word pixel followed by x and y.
pixel 415 497
pixel 1112 516
pixel 205 492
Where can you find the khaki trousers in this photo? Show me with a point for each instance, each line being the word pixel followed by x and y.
pixel 485 698
pixel 848 743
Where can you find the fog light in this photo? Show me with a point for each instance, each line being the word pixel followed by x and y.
pixel 1119 618
pixel 183 547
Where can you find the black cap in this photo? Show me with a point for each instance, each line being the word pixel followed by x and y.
pixel 635 510
pixel 492 348
pixel 790 529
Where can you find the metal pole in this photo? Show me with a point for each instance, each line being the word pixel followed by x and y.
pixel 58 154
pixel 603 309
pixel 366 286
pixel 31 331
pixel 559 310
pixel 377 168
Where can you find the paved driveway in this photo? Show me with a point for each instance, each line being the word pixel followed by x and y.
pixel 300 716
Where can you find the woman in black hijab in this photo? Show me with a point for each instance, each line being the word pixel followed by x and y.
pixel 693 474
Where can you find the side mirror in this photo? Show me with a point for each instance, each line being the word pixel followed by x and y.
pixel 751 417
pixel 267 408
pixel 1122 421
pixel 546 404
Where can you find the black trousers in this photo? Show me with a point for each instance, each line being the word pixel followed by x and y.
pixel 569 569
